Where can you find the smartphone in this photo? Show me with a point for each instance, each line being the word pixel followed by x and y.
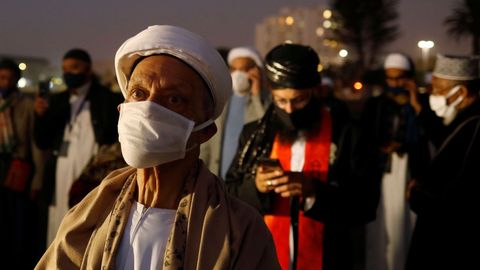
pixel 269 162
pixel 44 88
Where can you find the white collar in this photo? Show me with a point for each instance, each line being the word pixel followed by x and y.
pixel 82 92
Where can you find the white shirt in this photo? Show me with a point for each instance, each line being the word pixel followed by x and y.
pixel 82 146
pixel 297 160
pixel 145 237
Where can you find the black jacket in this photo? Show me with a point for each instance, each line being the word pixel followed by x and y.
pixel 349 197
pixel 447 200
pixel 49 129
pixel 385 122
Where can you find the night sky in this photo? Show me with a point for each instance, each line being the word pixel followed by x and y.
pixel 48 28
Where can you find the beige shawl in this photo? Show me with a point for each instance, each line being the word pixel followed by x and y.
pixel 211 230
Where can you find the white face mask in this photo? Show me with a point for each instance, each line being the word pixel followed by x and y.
pixel 240 83
pixel 151 135
pixel 439 105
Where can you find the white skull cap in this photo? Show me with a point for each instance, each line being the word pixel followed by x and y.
pixel 248 52
pixel 397 60
pixel 184 45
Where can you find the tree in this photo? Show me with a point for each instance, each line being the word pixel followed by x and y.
pixel 366 26
pixel 465 21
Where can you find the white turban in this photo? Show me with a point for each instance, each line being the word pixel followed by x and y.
pixel 184 45
pixel 245 52
pixel 397 60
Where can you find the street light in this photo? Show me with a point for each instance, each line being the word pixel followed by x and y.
pixel 22 66
pixel 425 45
pixel 327 24
pixel 327 14
pixel 289 20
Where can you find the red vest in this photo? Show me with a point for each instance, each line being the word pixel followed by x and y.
pixel 310 232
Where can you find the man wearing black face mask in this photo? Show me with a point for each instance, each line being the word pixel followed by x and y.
pixel 318 177
pixel 73 124
pixel 390 121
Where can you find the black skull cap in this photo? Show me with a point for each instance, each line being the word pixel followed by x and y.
pixel 79 54
pixel 292 66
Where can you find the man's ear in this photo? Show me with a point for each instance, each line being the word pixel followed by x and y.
pixel 207 133
pixel 467 97
pixel 463 91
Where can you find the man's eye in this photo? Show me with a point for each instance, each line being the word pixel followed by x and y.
pixel 174 100
pixel 138 94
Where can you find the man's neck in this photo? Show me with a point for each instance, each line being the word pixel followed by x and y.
pixel 162 186
pixel 82 90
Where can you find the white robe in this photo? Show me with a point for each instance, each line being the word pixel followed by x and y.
pixel 82 147
pixel 388 236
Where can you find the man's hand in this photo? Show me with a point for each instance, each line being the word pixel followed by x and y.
pixel 287 184
pixel 40 106
pixel 294 184
pixel 265 176
pixel 411 86
pixel 410 186
pixel 390 147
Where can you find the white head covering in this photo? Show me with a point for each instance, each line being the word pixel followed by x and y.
pixel 245 52
pixel 457 67
pixel 397 60
pixel 180 43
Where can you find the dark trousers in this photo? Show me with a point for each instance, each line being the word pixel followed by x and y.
pixel 22 230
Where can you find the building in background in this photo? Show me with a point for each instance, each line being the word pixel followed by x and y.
pixel 36 70
pixel 303 25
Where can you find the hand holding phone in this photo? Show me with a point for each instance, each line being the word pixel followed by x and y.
pixel 268 169
pixel 269 163
pixel 44 89
pixel 41 100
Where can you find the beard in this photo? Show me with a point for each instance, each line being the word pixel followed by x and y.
pixel 304 120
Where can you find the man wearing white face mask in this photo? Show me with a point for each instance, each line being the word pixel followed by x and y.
pixel 247 103
pixel 166 211
pixel 446 197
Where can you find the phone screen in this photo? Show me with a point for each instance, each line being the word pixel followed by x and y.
pixel 269 162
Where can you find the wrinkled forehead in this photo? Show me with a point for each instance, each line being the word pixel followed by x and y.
pixel 441 82
pixel 163 65
pixel 166 69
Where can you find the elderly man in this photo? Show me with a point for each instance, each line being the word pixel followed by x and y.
pixel 446 197
pixel 167 211
pixel 297 166
pixel 247 104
